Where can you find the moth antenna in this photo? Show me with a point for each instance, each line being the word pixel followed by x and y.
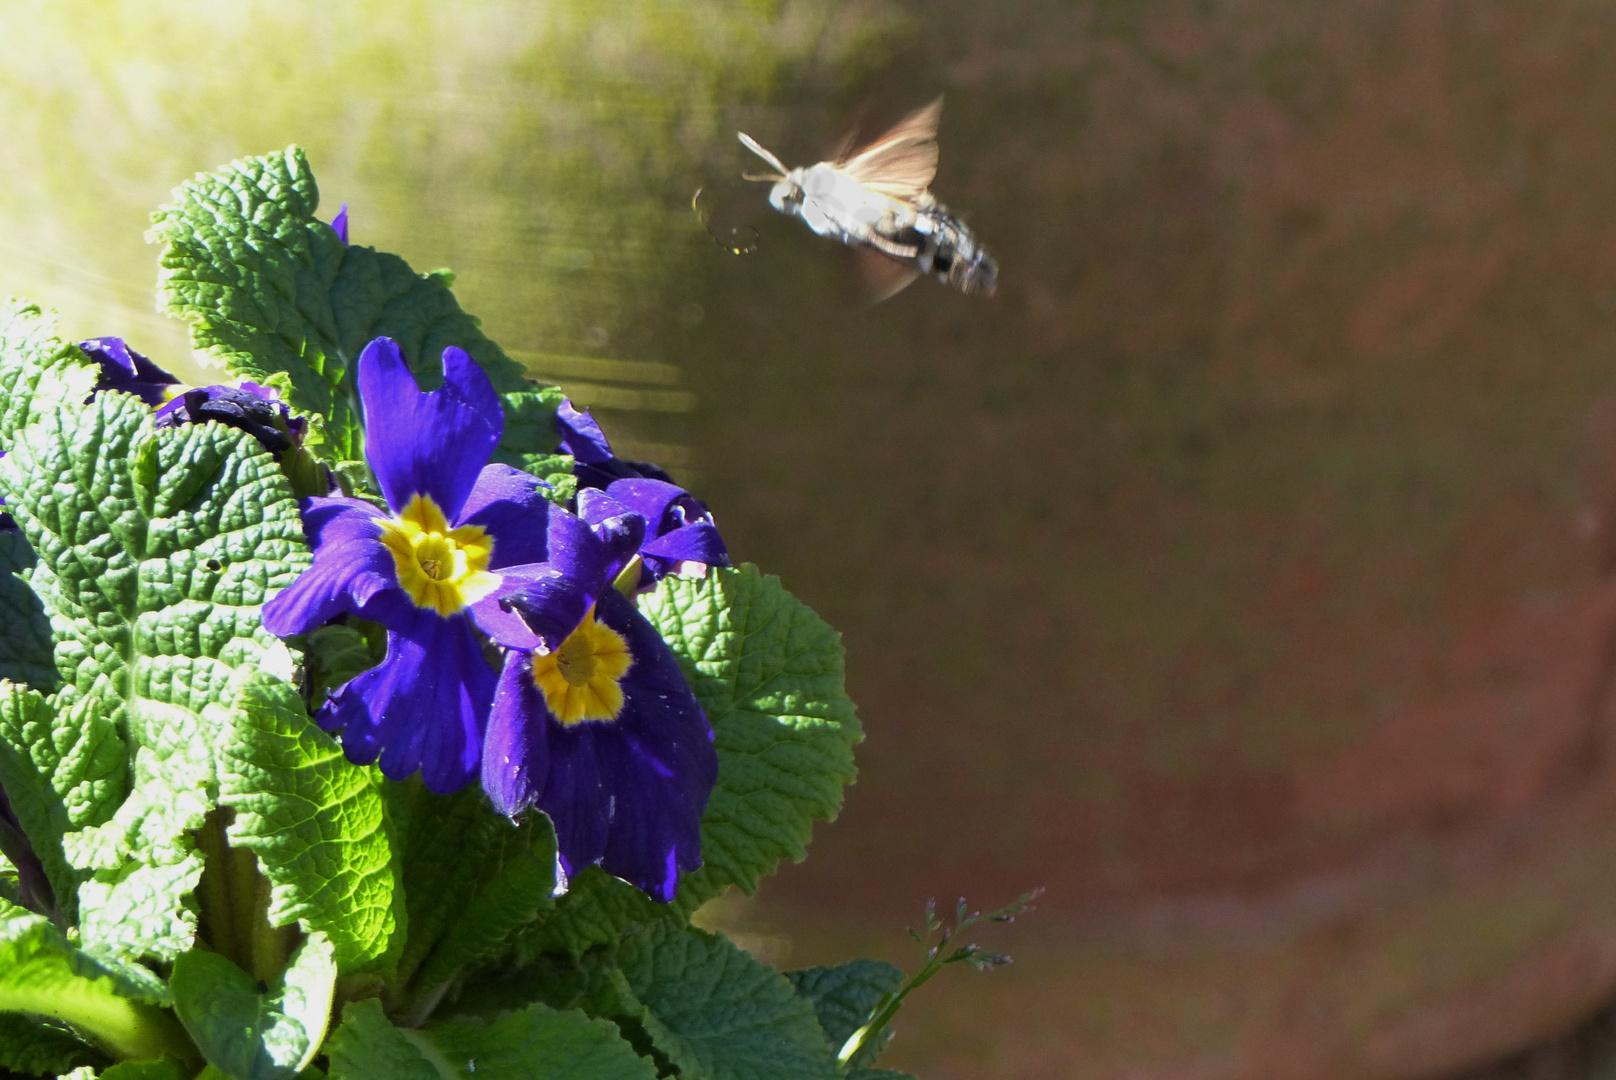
pixel 762 178
pixel 752 145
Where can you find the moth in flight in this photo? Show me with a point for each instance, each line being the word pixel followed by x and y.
pixel 877 199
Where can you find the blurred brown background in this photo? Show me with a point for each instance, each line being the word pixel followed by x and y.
pixel 1240 573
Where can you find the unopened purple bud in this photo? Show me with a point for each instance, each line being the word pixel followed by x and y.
pixel 124 369
pixel 250 407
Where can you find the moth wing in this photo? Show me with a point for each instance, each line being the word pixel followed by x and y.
pixel 902 162
pixel 881 278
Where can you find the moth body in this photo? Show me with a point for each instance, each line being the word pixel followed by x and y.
pixel 877 199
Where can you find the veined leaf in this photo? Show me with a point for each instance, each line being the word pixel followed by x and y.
pixel 248 1032
pixel 535 1042
pixel 38 371
pixel 317 823
pixel 471 879
pixel 54 767
pixel 42 975
pixel 718 1014
pixel 155 551
pixel 843 997
pixel 270 288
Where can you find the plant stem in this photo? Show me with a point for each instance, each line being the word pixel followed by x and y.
pixel 234 899
pixel 125 1029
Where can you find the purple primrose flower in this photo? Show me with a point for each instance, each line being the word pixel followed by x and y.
pixel 680 528
pixel 122 368
pixel 250 407
pixel 428 568
pixel 593 722
pixel 340 223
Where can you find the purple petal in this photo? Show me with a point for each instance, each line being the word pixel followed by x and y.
pixel 351 566
pixel 660 712
pixel 552 604
pixel 516 755
pixel 597 507
pixel 431 444
pixel 340 223
pixel 530 760
pixel 168 414
pixel 511 505
pixel 574 551
pixel 339 520
pixel 654 833
pixel 498 620
pixel 694 543
pixel 620 538
pixel 124 369
pixel 580 435
pixel 651 499
pixel 344 581
pixel 424 707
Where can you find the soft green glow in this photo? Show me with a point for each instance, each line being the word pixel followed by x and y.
pixel 546 151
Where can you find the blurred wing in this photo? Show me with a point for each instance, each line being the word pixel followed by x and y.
pixel 902 162
pixel 880 277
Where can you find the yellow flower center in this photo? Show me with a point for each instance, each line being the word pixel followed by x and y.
pixel 580 680
pixel 438 567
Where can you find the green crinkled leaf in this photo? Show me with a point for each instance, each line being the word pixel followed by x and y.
pixel 530 422
pixel 317 823
pixel 249 1035
pixel 471 878
pixel 31 1047
pixel 718 1014
pixel 270 288
pixel 768 672
pixel 592 983
pixel 843 997
pixel 366 1046
pixel 25 634
pixel 337 653
pixel 49 768
pixel 535 1042
pixel 156 551
pixel 539 1041
pixel 41 974
pixel 518 884
pixel 38 371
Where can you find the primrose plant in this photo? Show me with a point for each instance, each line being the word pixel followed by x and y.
pixel 365 716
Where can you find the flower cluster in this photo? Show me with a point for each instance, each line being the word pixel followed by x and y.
pixel 589 718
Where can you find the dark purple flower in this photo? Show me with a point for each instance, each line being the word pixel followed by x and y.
pixel 594 464
pixel 124 369
pixel 593 721
pixel 340 223
pixel 454 540
pixel 679 526
pixel 257 410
